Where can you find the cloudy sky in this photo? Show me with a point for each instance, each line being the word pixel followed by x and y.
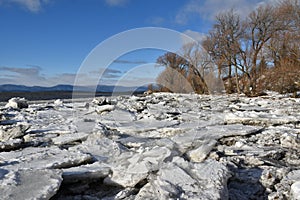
pixel 45 42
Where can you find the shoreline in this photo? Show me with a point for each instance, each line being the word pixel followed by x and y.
pixel 53 95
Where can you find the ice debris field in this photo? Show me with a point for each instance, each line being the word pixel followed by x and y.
pixel 159 146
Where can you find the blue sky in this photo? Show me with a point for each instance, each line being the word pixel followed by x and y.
pixel 44 42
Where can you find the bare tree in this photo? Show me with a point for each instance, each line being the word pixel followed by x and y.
pixel 186 69
pixel 200 58
pixel 197 56
pixel 285 45
pixel 261 26
pixel 284 49
pixel 224 47
pixel 171 80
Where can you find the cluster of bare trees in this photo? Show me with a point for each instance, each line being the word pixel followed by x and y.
pixel 249 54
pixel 181 74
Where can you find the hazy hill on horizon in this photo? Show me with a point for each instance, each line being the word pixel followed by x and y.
pixel 8 91
pixel 70 88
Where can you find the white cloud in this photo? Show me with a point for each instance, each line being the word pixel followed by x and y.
pixel 116 2
pixel 31 5
pixel 208 9
pixel 140 75
pixel 189 37
pixel 195 35
pixel 26 76
pixel 32 75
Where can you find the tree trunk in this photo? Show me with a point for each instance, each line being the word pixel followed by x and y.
pixel 229 80
pixel 237 81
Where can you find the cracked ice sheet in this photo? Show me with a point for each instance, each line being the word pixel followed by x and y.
pixel 192 137
pixel 140 126
pixel 117 117
pixel 29 184
pixel 258 118
pixel 42 158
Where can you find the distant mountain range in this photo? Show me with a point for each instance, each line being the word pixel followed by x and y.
pixel 70 88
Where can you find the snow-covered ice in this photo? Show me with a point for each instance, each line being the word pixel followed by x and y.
pixel 29 184
pixel 157 146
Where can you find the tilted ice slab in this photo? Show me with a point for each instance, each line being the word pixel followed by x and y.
pixel 10 144
pixel 13 131
pixel 295 190
pixel 99 147
pixel 199 154
pixel 29 184
pixel 69 138
pixel 182 180
pixel 41 158
pixel 130 168
pixel 17 103
pixel 96 170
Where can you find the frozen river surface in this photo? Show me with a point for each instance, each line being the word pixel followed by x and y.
pixel 160 146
